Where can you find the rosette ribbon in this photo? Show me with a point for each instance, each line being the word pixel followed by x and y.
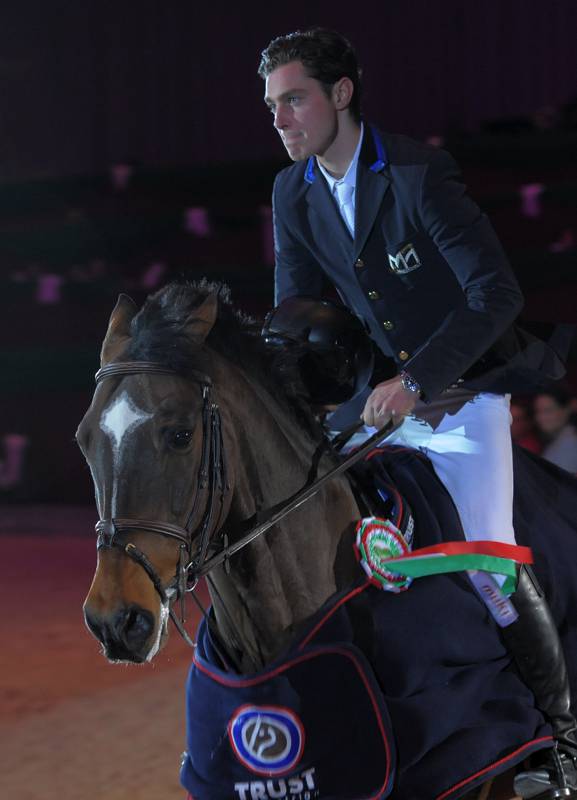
pixel 389 563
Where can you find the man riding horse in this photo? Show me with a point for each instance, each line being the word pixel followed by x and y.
pixel 387 220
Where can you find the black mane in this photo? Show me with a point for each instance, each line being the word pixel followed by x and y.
pixel 159 334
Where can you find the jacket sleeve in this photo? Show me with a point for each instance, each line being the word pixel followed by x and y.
pixel 469 245
pixel 296 271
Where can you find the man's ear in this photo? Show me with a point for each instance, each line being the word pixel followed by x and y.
pixel 201 320
pixel 118 333
pixel 342 93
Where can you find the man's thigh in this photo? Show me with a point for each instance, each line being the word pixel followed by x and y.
pixel 467 438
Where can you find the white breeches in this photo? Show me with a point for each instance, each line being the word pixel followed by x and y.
pixel 467 438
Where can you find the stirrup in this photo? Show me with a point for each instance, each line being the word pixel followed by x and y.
pixel 551 782
pixel 536 785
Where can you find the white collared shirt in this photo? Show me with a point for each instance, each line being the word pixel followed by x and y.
pixel 349 180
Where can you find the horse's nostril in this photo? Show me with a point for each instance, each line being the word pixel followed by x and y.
pixel 124 634
pixel 134 626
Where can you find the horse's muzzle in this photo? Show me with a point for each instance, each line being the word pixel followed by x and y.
pixel 125 635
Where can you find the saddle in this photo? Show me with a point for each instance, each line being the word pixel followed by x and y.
pixel 377 495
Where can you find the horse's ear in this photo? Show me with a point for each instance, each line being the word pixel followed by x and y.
pixel 202 319
pixel 118 332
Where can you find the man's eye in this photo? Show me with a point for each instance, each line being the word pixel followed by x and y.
pixel 293 99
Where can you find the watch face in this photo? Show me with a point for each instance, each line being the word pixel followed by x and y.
pixel 410 384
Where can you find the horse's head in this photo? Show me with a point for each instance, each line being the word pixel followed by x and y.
pixel 152 442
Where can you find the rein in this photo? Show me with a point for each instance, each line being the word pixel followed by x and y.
pixel 212 478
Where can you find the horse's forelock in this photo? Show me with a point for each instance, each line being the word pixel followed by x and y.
pixel 159 334
pixel 158 331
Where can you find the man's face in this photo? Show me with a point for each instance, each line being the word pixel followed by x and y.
pixel 549 415
pixel 304 116
pixel 520 422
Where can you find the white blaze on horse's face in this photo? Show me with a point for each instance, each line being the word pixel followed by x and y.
pixel 118 420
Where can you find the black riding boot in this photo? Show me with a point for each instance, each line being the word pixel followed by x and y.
pixel 534 642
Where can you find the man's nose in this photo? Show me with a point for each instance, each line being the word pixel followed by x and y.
pixel 280 119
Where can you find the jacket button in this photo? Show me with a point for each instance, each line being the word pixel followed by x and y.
pixel 374 295
pixel 403 355
pixel 388 325
pixel 359 263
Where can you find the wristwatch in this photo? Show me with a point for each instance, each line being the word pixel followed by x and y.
pixel 410 383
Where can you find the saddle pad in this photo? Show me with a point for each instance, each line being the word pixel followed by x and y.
pixel 314 726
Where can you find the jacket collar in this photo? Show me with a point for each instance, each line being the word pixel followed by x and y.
pixel 372 183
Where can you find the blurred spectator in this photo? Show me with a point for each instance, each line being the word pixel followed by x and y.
pixel 543 120
pixel 554 412
pixel 522 426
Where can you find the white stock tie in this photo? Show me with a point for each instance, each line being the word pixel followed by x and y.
pixel 345 194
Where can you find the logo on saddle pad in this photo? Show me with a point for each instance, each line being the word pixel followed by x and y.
pixel 268 740
pixel 297 787
pixel 405 261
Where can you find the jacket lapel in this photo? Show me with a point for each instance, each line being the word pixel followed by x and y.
pixel 370 189
pixel 323 204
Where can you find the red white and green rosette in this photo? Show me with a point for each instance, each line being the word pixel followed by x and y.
pixel 378 543
pixel 388 561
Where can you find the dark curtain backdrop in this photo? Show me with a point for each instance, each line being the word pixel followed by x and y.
pixel 85 82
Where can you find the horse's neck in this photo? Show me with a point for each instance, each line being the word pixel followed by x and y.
pixel 280 580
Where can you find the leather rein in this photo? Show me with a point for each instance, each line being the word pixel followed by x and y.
pixel 212 480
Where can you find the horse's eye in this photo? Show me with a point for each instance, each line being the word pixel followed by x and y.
pixel 180 439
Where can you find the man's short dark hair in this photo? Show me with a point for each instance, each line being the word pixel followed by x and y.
pixel 326 56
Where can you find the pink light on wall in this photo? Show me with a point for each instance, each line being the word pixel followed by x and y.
pixel 153 275
pixel 49 289
pixel 11 468
pixel 197 221
pixel 531 199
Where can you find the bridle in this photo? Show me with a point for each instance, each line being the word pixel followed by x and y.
pixel 211 479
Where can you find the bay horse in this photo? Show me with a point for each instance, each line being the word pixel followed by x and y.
pixel 190 438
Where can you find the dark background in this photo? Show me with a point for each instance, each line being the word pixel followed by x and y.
pixel 85 83
pixel 169 91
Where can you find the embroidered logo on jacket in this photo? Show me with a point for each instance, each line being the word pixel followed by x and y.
pixel 266 739
pixel 405 261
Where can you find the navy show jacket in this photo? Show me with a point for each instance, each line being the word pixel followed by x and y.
pixel 425 270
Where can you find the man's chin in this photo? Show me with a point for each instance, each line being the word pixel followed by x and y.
pixel 297 153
